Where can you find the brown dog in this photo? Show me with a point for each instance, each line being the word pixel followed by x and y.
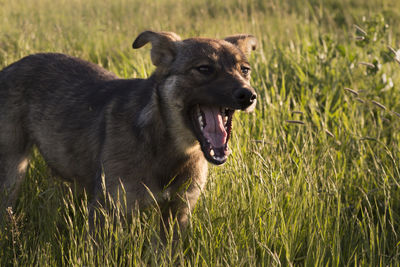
pixel 154 134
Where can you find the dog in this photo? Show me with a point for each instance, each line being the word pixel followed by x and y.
pixel 155 135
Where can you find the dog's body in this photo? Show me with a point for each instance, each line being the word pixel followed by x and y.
pixel 150 134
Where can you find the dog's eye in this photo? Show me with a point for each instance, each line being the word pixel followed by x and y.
pixel 205 69
pixel 245 70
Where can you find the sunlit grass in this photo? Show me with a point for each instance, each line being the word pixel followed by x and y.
pixel 314 174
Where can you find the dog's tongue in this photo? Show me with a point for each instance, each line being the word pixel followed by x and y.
pixel 214 129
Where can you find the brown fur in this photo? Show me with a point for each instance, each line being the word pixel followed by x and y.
pixel 84 119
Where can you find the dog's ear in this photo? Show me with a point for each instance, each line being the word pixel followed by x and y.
pixel 245 42
pixel 163 44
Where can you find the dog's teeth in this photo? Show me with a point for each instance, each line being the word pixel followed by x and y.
pixel 212 153
pixel 200 118
pixel 219 158
pixel 198 112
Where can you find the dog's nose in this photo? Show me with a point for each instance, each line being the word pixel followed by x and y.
pixel 245 97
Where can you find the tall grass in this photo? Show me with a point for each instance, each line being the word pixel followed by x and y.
pixel 314 178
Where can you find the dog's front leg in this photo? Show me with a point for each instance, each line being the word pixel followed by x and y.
pixel 176 213
pixel 97 197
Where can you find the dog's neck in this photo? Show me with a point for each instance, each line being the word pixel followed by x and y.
pixel 165 136
pixel 162 123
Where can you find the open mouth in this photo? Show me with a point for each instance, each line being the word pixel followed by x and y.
pixel 212 127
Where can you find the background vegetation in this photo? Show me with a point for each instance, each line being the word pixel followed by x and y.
pixel 314 178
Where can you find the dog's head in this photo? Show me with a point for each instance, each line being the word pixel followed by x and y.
pixel 204 82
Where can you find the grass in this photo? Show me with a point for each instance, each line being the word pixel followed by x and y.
pixel 314 178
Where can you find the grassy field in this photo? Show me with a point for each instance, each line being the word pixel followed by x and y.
pixel 314 178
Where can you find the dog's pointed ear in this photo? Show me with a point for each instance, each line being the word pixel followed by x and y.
pixel 245 42
pixel 163 44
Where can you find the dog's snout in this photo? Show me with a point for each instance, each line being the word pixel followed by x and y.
pixel 245 97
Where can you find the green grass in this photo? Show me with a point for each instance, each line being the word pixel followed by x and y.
pixel 322 193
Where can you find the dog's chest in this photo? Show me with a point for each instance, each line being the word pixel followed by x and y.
pixel 181 175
